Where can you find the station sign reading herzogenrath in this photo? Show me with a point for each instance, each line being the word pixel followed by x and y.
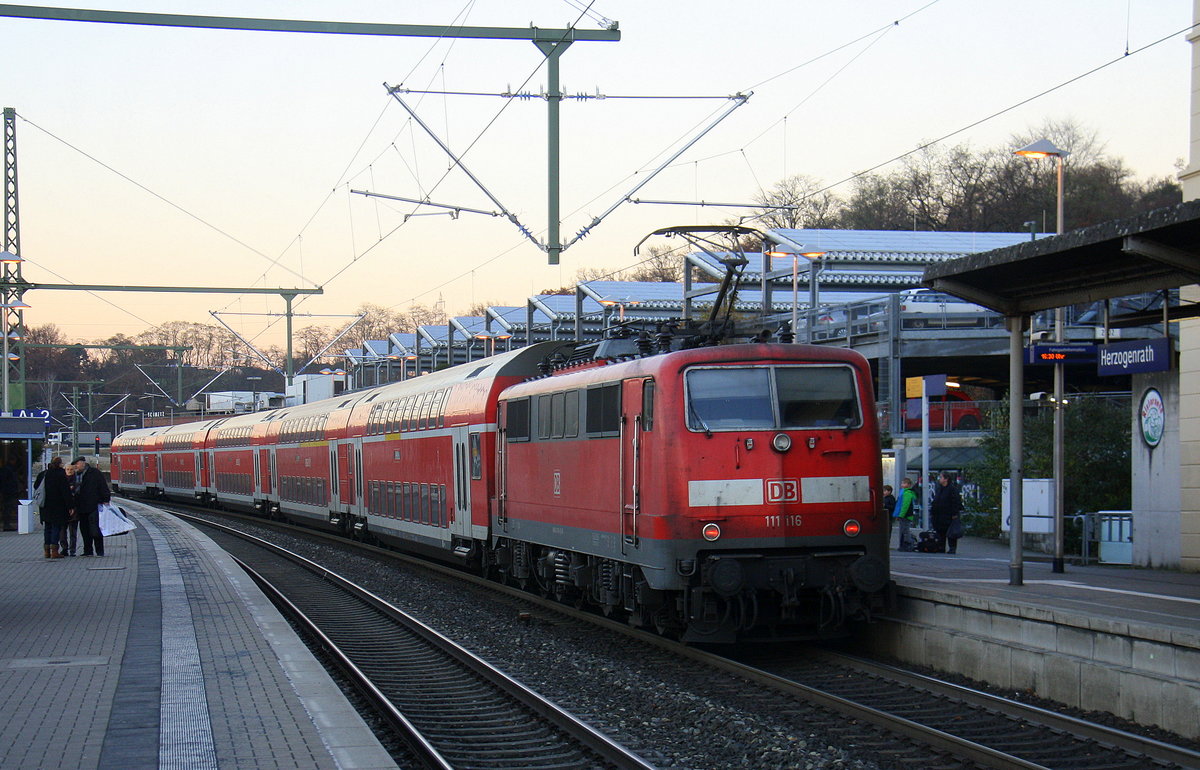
pixel 1134 357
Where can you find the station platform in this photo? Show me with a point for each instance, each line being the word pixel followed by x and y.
pixel 161 653
pixel 1106 638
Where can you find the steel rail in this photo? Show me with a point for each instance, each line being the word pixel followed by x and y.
pixel 1125 741
pixel 1103 734
pixel 564 721
pixel 412 736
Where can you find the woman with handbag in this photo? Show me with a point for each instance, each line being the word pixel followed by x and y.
pixel 945 510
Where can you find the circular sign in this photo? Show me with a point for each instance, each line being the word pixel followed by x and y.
pixel 1153 416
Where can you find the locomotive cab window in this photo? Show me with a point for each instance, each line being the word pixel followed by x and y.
pixel 771 398
pixel 817 396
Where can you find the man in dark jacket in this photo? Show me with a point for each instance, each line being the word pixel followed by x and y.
pixel 945 507
pixel 90 490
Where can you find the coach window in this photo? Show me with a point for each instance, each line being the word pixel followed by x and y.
pixel 438 493
pixel 437 416
pixel 517 419
pixel 604 410
pixel 648 405
pixel 543 418
pixel 423 411
pixel 476 457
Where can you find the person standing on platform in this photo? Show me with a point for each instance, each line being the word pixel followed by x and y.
pixel 90 490
pixel 906 513
pixel 944 509
pixel 68 536
pixel 56 505
pixel 889 500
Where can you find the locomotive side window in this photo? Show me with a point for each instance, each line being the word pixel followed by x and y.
pixel 517 422
pixel 604 410
pixel 648 405
pixel 571 414
pixel 817 396
pixel 543 408
pixel 558 414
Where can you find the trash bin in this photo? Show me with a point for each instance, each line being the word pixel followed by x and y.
pixel 27 518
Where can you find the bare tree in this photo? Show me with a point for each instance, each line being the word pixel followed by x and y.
pixel 662 264
pixel 798 202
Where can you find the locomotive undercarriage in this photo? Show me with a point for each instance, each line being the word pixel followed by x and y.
pixel 730 597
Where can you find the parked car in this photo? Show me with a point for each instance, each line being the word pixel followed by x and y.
pixel 922 308
pixel 953 411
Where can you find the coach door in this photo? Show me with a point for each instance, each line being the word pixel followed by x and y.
pixel 345 473
pixel 461 525
pixel 631 460
pixel 263 470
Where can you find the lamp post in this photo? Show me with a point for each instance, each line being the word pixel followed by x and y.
pixel 1044 148
pixel 489 338
pixel 621 303
pixel 409 359
pixel 795 252
pixel 254 380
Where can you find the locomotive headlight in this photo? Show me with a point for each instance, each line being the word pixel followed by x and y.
pixel 851 528
pixel 782 442
pixel 710 532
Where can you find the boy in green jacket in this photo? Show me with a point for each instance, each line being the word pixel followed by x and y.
pixel 906 514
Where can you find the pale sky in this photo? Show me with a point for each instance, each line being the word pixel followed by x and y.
pixel 244 145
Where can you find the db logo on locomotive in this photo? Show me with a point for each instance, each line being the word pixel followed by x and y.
pixel 783 490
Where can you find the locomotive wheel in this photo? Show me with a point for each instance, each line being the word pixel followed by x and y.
pixel 666 624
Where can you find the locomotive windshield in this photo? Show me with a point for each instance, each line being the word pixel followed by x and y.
pixel 772 398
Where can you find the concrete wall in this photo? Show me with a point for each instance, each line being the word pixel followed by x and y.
pixel 1146 674
pixel 1189 342
pixel 1156 478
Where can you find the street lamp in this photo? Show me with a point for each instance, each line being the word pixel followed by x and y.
pixel 795 251
pixel 489 338
pixel 621 303
pixel 1044 148
pixel 410 358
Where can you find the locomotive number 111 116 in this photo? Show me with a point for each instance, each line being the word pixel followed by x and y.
pixel 790 520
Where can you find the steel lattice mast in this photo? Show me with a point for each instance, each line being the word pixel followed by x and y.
pixel 13 290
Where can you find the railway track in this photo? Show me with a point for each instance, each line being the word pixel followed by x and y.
pixel 452 709
pixel 909 719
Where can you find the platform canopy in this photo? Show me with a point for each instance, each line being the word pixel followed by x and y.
pixel 1156 250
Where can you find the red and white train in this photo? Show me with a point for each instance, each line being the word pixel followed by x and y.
pixel 717 493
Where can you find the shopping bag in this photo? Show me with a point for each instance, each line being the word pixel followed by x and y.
pixel 39 494
pixel 114 520
pixel 956 529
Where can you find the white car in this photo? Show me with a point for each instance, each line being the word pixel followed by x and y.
pixel 921 308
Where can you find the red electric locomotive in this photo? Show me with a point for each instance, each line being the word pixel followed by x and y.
pixel 716 493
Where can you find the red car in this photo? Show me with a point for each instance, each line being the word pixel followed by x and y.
pixel 954 411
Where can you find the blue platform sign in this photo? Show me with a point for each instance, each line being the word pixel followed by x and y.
pixel 1067 353
pixel 1134 357
pixel 43 414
